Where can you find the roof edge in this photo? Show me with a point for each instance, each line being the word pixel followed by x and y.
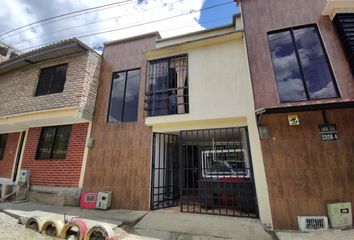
pixel 137 37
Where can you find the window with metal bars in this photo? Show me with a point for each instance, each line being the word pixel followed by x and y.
pixel 3 140
pixel 167 87
pixel 51 80
pixel 301 65
pixel 53 142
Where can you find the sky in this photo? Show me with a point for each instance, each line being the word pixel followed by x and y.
pixel 125 18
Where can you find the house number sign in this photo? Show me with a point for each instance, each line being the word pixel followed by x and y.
pixel 328 132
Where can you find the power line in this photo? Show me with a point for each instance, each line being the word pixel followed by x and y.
pixel 181 27
pixel 68 14
pixel 136 25
pixel 86 24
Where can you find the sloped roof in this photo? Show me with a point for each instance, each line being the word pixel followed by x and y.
pixel 48 52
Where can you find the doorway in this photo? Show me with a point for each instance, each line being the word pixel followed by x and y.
pixel 204 171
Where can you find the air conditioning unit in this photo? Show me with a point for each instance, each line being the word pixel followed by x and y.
pixel 340 215
pixel 312 223
pixel 104 200
pixel 23 177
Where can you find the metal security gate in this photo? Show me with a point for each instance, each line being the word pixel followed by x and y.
pixel 216 173
pixel 165 191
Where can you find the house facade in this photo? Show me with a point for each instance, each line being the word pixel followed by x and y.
pixel 46 107
pixel 301 70
pixel 174 126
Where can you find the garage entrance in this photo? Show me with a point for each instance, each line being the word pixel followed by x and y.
pixel 204 171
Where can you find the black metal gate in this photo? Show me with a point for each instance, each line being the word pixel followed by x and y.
pixel 164 181
pixel 216 173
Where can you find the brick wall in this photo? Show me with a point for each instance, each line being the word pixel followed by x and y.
pixel 17 87
pixel 6 164
pixel 58 173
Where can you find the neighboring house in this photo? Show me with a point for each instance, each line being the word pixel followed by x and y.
pixel 7 52
pixel 179 128
pixel 47 99
pixel 304 90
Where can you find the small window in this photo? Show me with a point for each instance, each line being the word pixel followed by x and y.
pixel 124 96
pixel 51 80
pixel 53 142
pixel 301 66
pixel 3 140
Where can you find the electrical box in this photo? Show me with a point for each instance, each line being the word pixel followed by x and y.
pixel 340 215
pixel 23 177
pixel 88 200
pixel 104 200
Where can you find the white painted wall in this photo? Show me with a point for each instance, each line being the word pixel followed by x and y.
pixel 220 95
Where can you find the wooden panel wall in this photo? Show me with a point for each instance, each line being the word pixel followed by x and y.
pixel 303 172
pixel 261 17
pixel 120 160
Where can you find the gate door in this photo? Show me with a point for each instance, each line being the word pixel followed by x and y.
pixel 216 173
pixel 164 179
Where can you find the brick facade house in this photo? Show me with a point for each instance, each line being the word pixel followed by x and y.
pixel 47 99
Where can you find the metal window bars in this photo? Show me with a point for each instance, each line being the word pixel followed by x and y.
pixel 167 88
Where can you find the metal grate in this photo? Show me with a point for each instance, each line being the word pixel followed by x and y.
pixel 312 223
pixel 216 173
pixel 165 190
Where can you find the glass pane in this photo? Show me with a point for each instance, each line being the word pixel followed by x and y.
pixel 59 79
pixel 45 143
pixel 131 96
pixel 286 68
pixel 314 64
pixel 45 81
pixel 117 97
pixel 61 142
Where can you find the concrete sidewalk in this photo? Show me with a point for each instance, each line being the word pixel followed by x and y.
pixel 154 224
pixel 319 235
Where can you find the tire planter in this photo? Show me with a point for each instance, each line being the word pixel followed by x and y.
pixel 100 232
pixel 52 227
pixel 68 233
pixel 36 223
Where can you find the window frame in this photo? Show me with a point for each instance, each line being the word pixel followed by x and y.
pixel 54 141
pixel 4 147
pixel 39 77
pixel 125 88
pixel 291 30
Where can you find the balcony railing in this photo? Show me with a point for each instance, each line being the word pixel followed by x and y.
pixel 167 102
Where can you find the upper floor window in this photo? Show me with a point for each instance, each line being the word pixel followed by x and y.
pixel 53 142
pixel 51 80
pixel 3 140
pixel 301 66
pixel 3 51
pixel 124 100
pixel 167 86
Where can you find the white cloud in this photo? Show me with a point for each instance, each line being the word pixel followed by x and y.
pixel 17 13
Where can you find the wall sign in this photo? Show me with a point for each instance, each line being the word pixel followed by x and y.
pixel 293 120
pixel 328 132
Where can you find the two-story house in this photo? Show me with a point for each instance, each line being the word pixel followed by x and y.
pixel 47 99
pixel 174 126
pixel 303 93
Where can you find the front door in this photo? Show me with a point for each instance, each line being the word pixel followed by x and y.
pixel 165 168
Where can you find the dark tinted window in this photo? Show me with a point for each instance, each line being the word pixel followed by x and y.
pixel 3 140
pixel 51 80
pixel 124 96
pixel 3 51
pixel 53 142
pixel 301 66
